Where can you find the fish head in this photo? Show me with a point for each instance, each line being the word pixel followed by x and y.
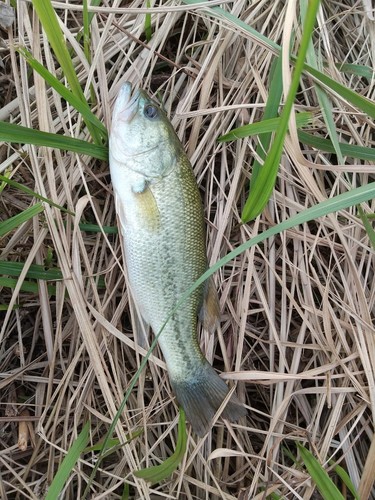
pixel 142 139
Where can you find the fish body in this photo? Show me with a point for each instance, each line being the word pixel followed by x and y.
pixel 161 218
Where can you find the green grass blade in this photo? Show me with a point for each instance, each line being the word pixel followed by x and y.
pixel 10 132
pixel 324 102
pixel 270 111
pixel 357 69
pixel 220 13
pixel 29 191
pixel 261 189
pixel 126 492
pixel 81 106
pixel 94 228
pixel 325 485
pixel 160 472
pixel 345 478
pixel 93 3
pixel 35 271
pixel 263 127
pixel 288 453
pixel 148 26
pixel 360 152
pixel 26 286
pixel 68 463
pixel 51 26
pixel 353 98
pixel 369 229
pixel 13 222
pixel 5 307
pixel 362 103
pixel 7 175
pixel 86 32
pixel 113 443
pixel 87 19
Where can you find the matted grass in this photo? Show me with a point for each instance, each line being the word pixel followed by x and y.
pixel 296 330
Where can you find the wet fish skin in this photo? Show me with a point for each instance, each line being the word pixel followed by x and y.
pixel 161 218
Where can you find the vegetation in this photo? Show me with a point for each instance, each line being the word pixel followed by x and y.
pixel 274 102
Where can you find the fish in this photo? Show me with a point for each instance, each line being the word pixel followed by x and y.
pixel 161 220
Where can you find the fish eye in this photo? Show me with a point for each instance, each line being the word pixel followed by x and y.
pixel 151 111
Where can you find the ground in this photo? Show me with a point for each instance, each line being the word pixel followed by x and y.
pixel 296 333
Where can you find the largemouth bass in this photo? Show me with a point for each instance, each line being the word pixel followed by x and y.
pixel 161 218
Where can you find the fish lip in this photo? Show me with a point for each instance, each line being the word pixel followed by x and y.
pixel 126 105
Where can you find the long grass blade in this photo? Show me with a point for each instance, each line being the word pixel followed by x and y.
pixel 13 222
pixel 357 69
pixel 325 485
pixel 360 102
pixel 68 463
pixel 369 229
pixel 263 127
pixel 26 286
pixel 94 228
pixel 345 478
pixel 270 111
pixel 258 128
pixel 10 132
pixel 114 444
pixel 35 271
pixel 80 105
pixel 29 191
pixel 324 102
pixel 261 189
pixel 148 25
pixel 160 472
pixel 51 26
pixel 351 150
pixel 86 31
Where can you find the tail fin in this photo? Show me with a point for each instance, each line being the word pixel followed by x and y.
pixel 201 396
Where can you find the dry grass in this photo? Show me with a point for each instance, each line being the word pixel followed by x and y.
pixel 296 328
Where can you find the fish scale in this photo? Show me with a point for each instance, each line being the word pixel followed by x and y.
pixel 167 278
pixel 161 218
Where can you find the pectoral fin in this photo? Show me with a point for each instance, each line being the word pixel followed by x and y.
pixel 210 310
pixel 142 210
pixel 147 208
pixel 142 331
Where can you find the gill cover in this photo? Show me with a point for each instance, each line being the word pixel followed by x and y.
pixel 142 138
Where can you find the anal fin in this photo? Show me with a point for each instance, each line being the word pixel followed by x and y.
pixel 210 310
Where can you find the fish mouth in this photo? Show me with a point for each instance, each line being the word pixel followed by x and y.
pixel 126 106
